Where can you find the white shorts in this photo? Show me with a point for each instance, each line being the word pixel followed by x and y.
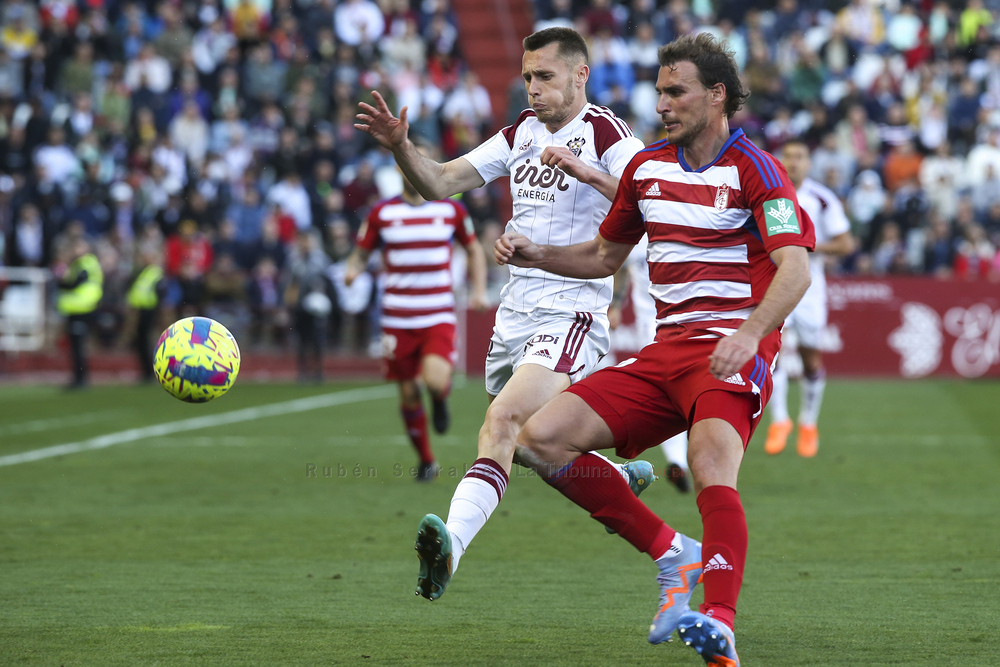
pixel 808 319
pixel 564 342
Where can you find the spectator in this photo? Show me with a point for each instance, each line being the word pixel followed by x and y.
pixel 210 46
pixel 175 39
pixel 357 21
pixel 148 70
pixel 610 62
pixel 291 195
pixel 57 158
pixel 307 286
pixel 942 176
pixel 858 136
pixel 939 247
pixel 984 158
pixel 264 77
pixel 188 258
pixel 18 37
pixel 189 133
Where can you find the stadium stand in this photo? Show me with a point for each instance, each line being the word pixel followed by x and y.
pixel 216 132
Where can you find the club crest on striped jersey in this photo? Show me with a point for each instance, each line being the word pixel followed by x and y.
pixel 722 197
pixel 575 145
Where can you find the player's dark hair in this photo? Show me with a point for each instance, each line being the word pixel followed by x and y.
pixel 715 63
pixel 794 141
pixel 571 43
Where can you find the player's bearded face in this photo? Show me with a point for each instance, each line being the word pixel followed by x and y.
pixel 683 103
pixel 550 83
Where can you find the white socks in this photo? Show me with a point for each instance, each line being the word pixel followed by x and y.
pixel 812 398
pixel 779 395
pixel 475 498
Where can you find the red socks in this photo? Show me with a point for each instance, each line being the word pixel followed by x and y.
pixel 416 428
pixel 596 486
pixel 723 550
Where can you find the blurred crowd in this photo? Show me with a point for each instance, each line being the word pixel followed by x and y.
pixel 216 136
pixel 899 102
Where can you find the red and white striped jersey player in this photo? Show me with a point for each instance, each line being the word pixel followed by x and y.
pixel 728 260
pixel 416 237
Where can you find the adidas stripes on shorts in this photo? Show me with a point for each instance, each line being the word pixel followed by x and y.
pixel 562 341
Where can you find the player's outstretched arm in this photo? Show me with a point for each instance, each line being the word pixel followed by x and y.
pixel 597 258
pixel 788 285
pixel 432 179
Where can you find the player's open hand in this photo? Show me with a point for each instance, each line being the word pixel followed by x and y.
pixel 731 354
pixel 379 122
pixel 516 249
pixel 563 159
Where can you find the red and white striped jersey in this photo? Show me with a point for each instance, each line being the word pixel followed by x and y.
pixel 416 246
pixel 551 207
pixel 710 229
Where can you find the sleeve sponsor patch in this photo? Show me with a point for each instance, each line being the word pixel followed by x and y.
pixel 780 218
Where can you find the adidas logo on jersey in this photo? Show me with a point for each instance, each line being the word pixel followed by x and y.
pixel 717 562
pixel 735 379
pixel 654 190
pixel 542 353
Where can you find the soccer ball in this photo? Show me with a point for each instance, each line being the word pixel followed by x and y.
pixel 196 359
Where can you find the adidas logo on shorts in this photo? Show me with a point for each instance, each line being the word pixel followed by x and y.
pixel 654 190
pixel 717 562
pixel 735 379
pixel 542 353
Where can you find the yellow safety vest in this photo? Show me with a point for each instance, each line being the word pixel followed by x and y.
pixel 142 294
pixel 84 297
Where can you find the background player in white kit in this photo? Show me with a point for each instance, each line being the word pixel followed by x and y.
pixel 634 278
pixel 564 157
pixel 808 319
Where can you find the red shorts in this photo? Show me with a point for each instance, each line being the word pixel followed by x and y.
pixel 667 387
pixel 404 349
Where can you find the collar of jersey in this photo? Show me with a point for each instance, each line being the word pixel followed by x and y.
pixel 734 136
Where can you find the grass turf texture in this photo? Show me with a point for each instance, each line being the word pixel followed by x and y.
pixel 214 546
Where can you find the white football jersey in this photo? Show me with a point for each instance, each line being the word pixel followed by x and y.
pixel 829 219
pixel 551 207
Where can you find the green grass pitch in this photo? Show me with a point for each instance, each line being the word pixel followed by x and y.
pixel 215 546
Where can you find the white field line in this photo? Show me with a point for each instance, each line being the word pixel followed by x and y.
pixel 208 421
pixel 39 425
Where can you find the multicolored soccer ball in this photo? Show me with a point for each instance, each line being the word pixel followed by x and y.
pixel 196 359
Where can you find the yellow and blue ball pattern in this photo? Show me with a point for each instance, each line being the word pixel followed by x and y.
pixel 196 359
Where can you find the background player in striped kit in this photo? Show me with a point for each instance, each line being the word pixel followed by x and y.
pixel 808 320
pixel 418 305
pixel 728 261
pixel 564 157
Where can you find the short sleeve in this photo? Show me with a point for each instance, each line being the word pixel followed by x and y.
pixel 490 157
pixel 624 223
pixel 465 232
pixel 619 154
pixel 368 235
pixel 771 197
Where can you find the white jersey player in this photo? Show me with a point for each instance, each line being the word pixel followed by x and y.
pixel 564 157
pixel 808 319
